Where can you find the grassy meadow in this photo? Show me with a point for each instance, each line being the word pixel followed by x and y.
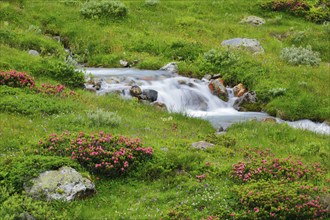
pixel 176 182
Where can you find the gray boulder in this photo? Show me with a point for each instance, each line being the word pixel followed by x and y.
pixel 247 98
pixel 171 67
pixel 201 145
pixel 250 44
pixel 253 20
pixel 34 53
pixel 63 184
pixel 149 95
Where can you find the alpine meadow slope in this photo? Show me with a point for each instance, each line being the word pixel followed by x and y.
pixel 255 170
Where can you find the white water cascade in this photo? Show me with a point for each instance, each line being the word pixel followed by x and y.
pixel 186 95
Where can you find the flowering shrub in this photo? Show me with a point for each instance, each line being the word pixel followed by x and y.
pixel 106 9
pixel 201 177
pixel 300 55
pixel 101 153
pixel 58 90
pixel 16 79
pixel 277 200
pixel 317 11
pixel 263 165
pixel 20 79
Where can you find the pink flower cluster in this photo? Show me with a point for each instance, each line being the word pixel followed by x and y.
pixel 54 90
pixel 21 79
pixel 201 177
pixel 102 153
pixel 16 79
pixel 264 165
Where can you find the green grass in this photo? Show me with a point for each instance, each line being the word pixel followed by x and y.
pixel 166 186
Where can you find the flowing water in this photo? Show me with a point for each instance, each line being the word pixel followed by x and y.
pixel 186 95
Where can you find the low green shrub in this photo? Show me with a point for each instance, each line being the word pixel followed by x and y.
pixel 300 55
pixel 27 102
pixel 66 74
pixel 18 171
pixel 290 107
pixel 214 60
pixel 183 50
pixel 276 92
pixel 101 153
pixel 23 207
pixel 103 118
pixel 103 9
pixel 221 140
pixel 280 200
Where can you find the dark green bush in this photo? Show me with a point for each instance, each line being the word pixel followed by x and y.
pixel 182 50
pixel 214 60
pixel 24 207
pixel 221 140
pixel 19 171
pixel 103 9
pixel 66 74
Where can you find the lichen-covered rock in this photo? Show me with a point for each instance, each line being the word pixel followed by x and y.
pixel 160 106
pixel 250 44
pixel 239 90
pixel 269 120
pixel 202 145
pixel 63 184
pixel 253 20
pixel 135 91
pixel 217 88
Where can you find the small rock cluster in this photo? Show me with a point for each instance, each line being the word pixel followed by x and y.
pixel 147 94
pixel 218 88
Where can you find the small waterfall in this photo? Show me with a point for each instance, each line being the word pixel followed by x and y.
pixel 182 94
pixel 231 96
